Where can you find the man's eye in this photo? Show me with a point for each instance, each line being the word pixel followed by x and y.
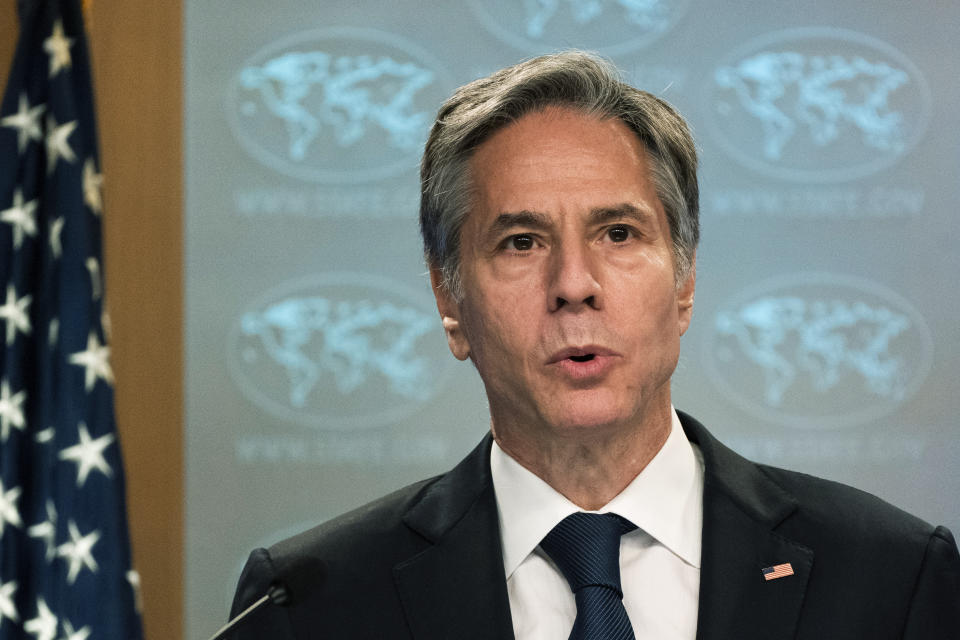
pixel 520 243
pixel 619 234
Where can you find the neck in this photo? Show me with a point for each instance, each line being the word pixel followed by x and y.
pixel 593 467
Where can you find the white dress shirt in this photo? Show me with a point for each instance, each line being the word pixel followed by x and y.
pixel 659 561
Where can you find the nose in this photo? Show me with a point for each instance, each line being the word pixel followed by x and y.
pixel 573 284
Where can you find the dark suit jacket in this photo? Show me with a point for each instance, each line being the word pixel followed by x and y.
pixel 425 563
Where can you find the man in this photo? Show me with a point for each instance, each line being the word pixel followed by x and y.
pixel 559 215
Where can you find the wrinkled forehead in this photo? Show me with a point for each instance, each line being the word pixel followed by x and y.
pixel 559 151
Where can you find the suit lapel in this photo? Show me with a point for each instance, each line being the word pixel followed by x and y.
pixel 742 509
pixel 456 588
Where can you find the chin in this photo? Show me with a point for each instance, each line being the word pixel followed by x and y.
pixel 589 417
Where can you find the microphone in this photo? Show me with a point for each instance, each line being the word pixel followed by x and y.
pixel 292 581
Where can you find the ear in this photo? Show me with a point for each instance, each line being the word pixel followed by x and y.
pixel 685 297
pixel 449 316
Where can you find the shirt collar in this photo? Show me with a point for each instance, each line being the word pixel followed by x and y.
pixel 665 500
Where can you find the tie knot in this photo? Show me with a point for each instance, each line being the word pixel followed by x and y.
pixel 586 548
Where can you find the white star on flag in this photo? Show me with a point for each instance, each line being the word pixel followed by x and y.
pixel 21 216
pixel 14 311
pixel 105 323
pixel 80 634
pixel 54 333
pixel 8 507
pixel 79 552
pixel 88 454
pixel 11 411
pixel 96 360
pixel 93 266
pixel 44 626
pixel 58 47
pixel 58 144
pixel 92 181
pixel 26 121
pixel 56 228
pixel 47 530
pixel 7 608
pixel 133 577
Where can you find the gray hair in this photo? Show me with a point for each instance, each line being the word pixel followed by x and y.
pixel 575 79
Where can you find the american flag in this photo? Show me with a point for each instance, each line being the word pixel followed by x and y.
pixel 777 571
pixel 65 570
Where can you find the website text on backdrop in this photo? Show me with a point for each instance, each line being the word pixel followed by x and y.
pixel 559 213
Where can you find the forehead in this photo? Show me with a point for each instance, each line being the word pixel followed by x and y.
pixel 560 159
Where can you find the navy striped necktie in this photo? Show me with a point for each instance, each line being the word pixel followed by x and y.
pixel 586 548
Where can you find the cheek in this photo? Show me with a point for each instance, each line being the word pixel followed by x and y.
pixel 649 289
pixel 499 334
pixel 650 314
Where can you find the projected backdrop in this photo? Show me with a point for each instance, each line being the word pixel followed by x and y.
pixel 824 337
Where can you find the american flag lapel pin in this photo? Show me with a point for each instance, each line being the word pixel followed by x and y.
pixel 777 571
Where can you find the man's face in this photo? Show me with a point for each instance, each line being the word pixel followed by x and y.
pixel 570 311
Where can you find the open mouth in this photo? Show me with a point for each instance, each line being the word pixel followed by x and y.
pixel 591 354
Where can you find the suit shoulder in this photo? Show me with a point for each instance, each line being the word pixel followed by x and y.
pixel 362 529
pixel 849 511
pixel 329 567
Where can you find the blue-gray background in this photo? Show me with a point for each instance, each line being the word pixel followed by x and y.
pixel 825 329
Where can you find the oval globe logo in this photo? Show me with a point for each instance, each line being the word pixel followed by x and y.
pixel 339 350
pixel 818 350
pixel 818 104
pixel 336 105
pixel 609 26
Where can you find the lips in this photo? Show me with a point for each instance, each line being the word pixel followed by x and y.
pixel 581 354
pixel 583 364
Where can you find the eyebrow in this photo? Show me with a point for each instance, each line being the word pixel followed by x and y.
pixel 640 215
pixel 506 221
